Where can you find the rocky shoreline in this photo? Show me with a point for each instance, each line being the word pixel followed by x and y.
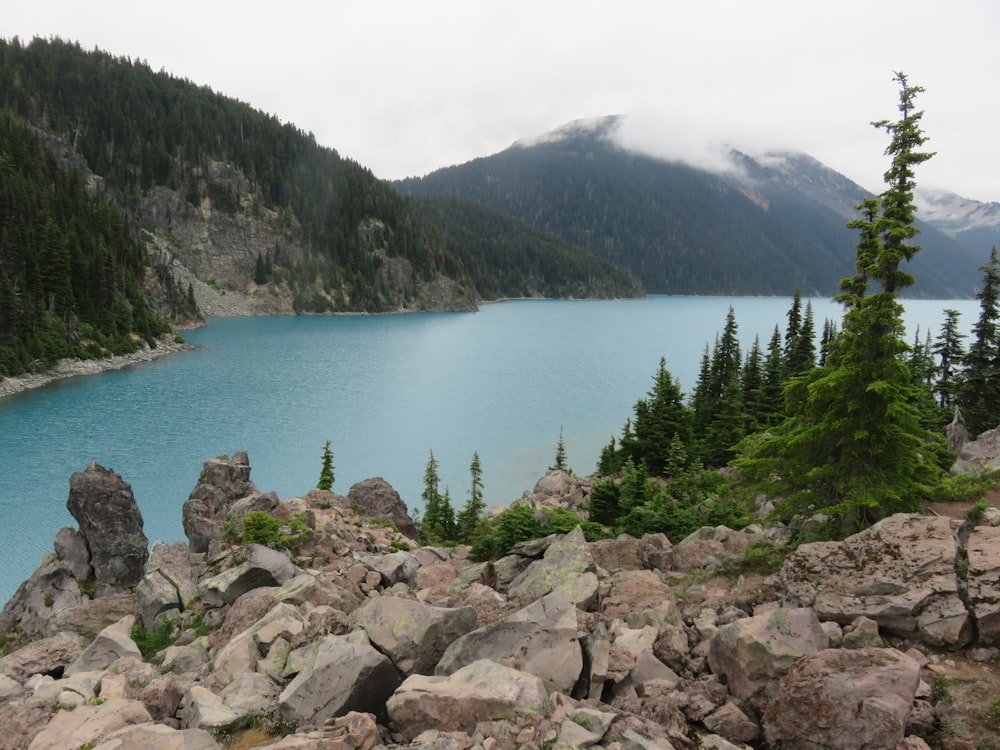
pixel 68 368
pixel 332 629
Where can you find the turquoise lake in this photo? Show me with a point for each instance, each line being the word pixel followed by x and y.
pixel 385 390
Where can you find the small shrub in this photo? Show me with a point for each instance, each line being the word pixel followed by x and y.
pixel 151 642
pixel 939 689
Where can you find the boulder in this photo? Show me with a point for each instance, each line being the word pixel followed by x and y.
pixel 263 567
pixel 352 731
pixel 203 709
pixel 111 644
pixel 899 573
pixel 158 737
pixel 564 561
pixel 223 481
pixel 110 522
pixel 459 701
pixel 91 616
pixel 338 674
pixel 730 722
pixel 169 582
pixel 88 725
pixel 983 582
pixel 843 699
pixel 377 499
pixel 640 597
pixel 751 655
pixel 979 455
pixel 51 589
pixel 413 634
pixel 251 694
pixel 540 639
pixel 395 567
pixel 45 656
pixel 651 552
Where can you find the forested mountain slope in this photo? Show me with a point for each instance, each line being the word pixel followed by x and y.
pixel 761 227
pixel 228 208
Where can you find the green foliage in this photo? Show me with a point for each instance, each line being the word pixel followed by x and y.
pixel 258 527
pixel 560 462
pixel 978 392
pixel 326 475
pixel 151 641
pixel 468 518
pixel 853 445
pixel 438 524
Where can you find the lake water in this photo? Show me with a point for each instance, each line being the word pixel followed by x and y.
pixel 385 390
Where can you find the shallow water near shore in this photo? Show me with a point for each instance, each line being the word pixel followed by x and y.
pixel 385 390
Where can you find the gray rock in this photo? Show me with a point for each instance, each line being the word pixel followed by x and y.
pixel 263 567
pixel 251 694
pixel 983 582
pixel 169 582
pixel 44 656
pixel 564 560
pixel 377 499
pixel 158 737
pixel 88 725
pixel 110 522
pixel 899 572
pixel 339 674
pixel 52 588
pixel 72 549
pixel 413 634
pixel 223 481
pixel 203 709
pixel 458 702
pixel 113 643
pixel 540 639
pixel 843 699
pixel 751 655
pixel 395 567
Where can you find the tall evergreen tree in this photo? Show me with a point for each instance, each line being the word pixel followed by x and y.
pixel 658 419
pixel 438 520
pixel 979 392
pixel 949 351
pixel 854 447
pixel 470 514
pixel 801 352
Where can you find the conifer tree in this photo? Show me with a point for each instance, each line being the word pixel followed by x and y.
pixel 660 418
pixel 437 519
pixel 772 400
pixel 949 352
pixel 469 516
pixel 326 475
pixel 854 446
pixel 560 463
pixel 979 392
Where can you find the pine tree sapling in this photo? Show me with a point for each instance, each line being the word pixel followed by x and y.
pixel 326 476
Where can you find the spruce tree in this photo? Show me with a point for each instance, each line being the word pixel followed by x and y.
pixel 660 418
pixel 434 526
pixel 854 447
pixel 979 392
pixel 949 352
pixel 560 463
pixel 469 516
pixel 326 476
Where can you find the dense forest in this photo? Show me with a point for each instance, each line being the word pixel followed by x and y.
pixel 72 272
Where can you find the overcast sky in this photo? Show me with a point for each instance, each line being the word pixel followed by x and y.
pixel 407 87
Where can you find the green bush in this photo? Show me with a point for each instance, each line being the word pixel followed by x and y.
pixel 151 642
pixel 259 527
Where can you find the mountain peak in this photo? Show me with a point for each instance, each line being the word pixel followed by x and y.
pixel 601 128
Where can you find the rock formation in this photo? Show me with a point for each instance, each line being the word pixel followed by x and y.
pixel 111 525
pixel 355 640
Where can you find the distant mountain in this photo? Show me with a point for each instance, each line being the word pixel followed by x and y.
pixel 759 226
pixel 973 223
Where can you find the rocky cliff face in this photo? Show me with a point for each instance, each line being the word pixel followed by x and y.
pixel 214 247
pixel 326 628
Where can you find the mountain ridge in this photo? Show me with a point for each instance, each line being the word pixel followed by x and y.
pixel 684 229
